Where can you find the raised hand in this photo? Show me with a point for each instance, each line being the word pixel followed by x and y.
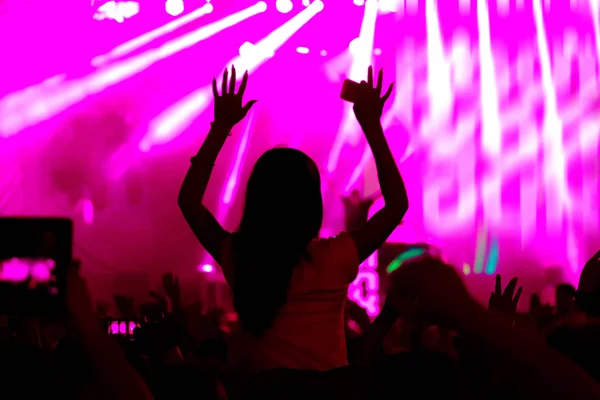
pixel 505 302
pixel 171 286
pixel 368 106
pixel 228 105
pixel 161 301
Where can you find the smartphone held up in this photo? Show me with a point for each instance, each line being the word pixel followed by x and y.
pixel 349 91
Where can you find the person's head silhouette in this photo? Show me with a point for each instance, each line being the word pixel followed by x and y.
pixel 284 193
pixel 283 213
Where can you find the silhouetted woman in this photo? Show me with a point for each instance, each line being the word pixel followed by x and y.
pixel 289 286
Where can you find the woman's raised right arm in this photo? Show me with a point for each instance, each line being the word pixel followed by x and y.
pixel 368 109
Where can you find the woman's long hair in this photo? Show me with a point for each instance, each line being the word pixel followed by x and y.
pixel 282 214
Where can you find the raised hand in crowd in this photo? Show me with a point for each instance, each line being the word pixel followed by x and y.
pixel 368 108
pixel 505 302
pixel 171 286
pixel 229 109
pixel 156 308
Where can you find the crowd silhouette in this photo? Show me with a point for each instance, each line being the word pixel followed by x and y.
pixel 297 335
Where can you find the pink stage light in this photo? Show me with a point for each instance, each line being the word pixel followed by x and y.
pixel 234 175
pixel 411 6
pixel 364 291
pixel 554 161
pixel 390 6
pixel 369 301
pixel 171 122
pixel 464 7
pixel 174 7
pixel 246 49
pixel 148 37
pixel 438 67
pixel 47 105
pixel 595 11
pixel 117 10
pixel 354 47
pixel 284 6
pixel 206 268
pixel 88 211
pixel 503 7
pixel 491 129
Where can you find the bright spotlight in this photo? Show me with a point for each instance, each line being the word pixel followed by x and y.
pixel 359 2
pixel 174 7
pixel 206 268
pixel 284 6
pixel 389 6
pixel 355 46
pixel 261 6
pixel 246 49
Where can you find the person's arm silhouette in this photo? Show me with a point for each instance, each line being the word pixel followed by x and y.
pixel 368 109
pixel 229 110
